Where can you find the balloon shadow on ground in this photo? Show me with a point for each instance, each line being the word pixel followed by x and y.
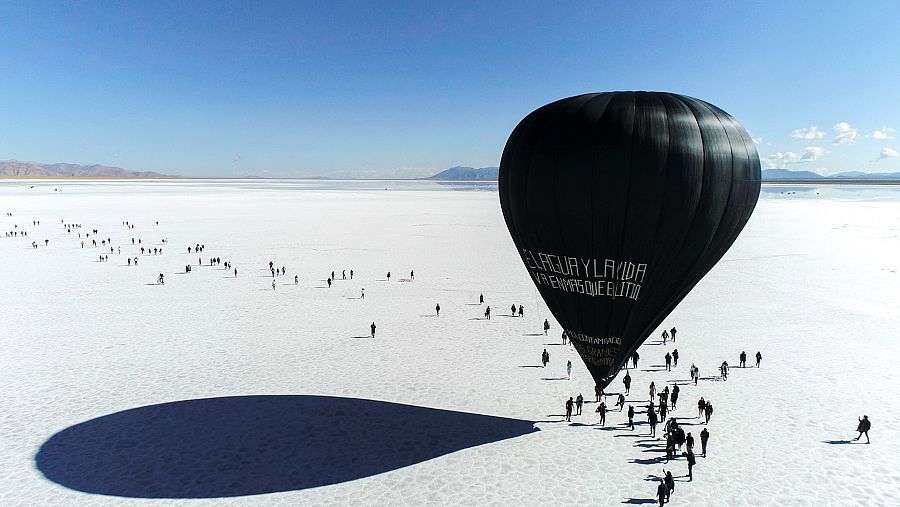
pixel 250 445
pixel 639 501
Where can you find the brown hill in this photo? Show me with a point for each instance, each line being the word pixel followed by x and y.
pixel 35 169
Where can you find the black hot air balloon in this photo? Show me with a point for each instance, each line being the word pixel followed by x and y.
pixel 619 203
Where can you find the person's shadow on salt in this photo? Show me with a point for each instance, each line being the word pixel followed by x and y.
pixel 248 445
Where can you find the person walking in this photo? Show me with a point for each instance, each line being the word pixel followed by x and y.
pixel 296 279
pixel 512 310
pixel 689 442
pixel 351 274
pixel 273 284
pixel 569 409
pixel 362 293
pixel 708 411
pixel 569 369
pixel 662 492
pixel 631 417
pixel 665 336
pixel 437 310
pixel 675 391
pixel 670 483
pixel 724 370
pixel 704 438
pixel 598 393
pixel 235 272
pixel 620 401
pixel 863 428
pixel 329 282
pixel 701 407
pixel 627 381
pixel 579 401
pixel 546 326
pixel 545 358
pixel 601 409
pixel 521 311
pixel 675 356
pixel 672 332
pixel 663 409
pixel 651 418
pixel 634 358
pixel 565 337
pixel 389 276
pixel 372 327
pixel 480 296
pixel 487 313
pixel 652 390
pixel 743 359
pixel 412 275
pixel 691 461
pixel 668 362
pixel 758 358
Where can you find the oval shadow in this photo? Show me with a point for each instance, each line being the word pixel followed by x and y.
pixel 249 445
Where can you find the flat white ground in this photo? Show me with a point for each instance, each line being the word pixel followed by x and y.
pixel 812 283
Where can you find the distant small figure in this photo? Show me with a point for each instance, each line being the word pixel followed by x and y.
pixel 675 356
pixel 691 461
pixel 675 391
pixel 437 310
pixel 863 428
pixel 708 411
pixel 579 401
pixel 634 358
pixel 652 390
pixel 652 420
pixel 296 279
pixel 670 483
pixel 546 326
pixel 160 280
pixel 662 493
pixel 344 274
pixel 512 310
pixel 569 404
pixel 389 276
pixel 627 381
pixel 329 282
pixel 362 293
pixel 665 336
pixel 742 359
pixel 412 275
pixel 631 417
pixel 372 327
pixel 487 313
pixel 704 438
pixel 620 402
pixel 273 284
pixel 521 311
pixel 235 272
pixel 758 358
pixel 565 337
pixel 601 409
pixel 668 361
pixel 332 276
pixel 481 299
pixel 598 393
pixel 701 407
pixel 569 369
pixel 672 332
pixel 351 274
pixel 545 358
pixel 724 370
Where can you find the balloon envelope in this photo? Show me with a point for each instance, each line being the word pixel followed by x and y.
pixel 619 203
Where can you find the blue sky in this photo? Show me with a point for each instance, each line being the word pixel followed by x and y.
pixel 385 89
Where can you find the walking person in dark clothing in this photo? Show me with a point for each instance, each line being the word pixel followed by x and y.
pixel 663 408
pixel 675 356
pixel 668 362
pixel 627 381
pixel 758 358
pixel 704 438
pixel 546 326
pixel 675 391
pixel 701 407
pixel 329 283
pixel 631 417
pixel 372 327
pixel 601 409
pixel 481 299
pixel 863 428
pixel 651 418
pixel 487 313
pixel 521 311
pixel 662 492
pixel 512 310
pixel 708 411
pixel 670 483
pixel 672 332
pixel 545 358
pixel 598 393
pixel 743 358
pixel 691 461
pixel 634 358
pixel 569 409
pixel 579 401
pixel 389 276
pixel 437 310
pixel 689 442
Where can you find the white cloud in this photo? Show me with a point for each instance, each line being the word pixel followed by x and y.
pixel 884 133
pixel 887 153
pixel 810 133
pixel 783 159
pixel 846 133
pixel 757 140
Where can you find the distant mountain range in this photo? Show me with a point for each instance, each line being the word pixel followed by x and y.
pixel 788 175
pixel 467 173
pixel 35 169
